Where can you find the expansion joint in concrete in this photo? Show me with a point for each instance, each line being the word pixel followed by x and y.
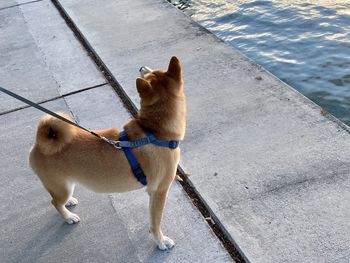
pixel 26 3
pixel 54 98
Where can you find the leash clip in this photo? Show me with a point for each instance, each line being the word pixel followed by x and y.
pixel 115 144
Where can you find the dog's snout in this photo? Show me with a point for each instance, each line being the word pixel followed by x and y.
pixel 145 70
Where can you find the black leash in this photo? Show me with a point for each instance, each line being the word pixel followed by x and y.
pixel 37 106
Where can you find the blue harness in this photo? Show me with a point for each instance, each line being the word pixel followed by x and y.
pixel 127 147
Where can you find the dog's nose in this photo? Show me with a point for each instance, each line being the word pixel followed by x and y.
pixel 144 70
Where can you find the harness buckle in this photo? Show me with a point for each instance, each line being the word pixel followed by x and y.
pixel 173 144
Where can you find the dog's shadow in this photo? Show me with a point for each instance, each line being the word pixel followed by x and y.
pixel 50 235
pixel 157 255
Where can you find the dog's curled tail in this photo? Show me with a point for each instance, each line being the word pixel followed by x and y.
pixel 53 134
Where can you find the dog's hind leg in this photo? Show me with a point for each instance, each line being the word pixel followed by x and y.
pixel 61 194
pixel 158 199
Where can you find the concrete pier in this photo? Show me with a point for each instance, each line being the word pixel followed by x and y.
pixel 53 66
pixel 271 167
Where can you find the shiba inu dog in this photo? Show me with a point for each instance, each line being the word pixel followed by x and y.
pixel 64 155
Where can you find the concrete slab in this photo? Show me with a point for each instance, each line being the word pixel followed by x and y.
pixel 40 57
pixel 114 228
pixel 7 3
pixel 67 61
pixel 22 69
pixel 271 167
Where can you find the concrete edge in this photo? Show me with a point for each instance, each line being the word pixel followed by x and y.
pixel 214 222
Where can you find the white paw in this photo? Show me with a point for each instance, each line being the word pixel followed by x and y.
pixel 72 218
pixel 72 202
pixel 166 243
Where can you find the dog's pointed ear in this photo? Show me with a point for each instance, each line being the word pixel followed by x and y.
pixel 143 87
pixel 174 68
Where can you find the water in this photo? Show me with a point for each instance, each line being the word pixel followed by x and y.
pixel 304 43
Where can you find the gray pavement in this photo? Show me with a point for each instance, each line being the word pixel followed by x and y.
pixel 270 166
pixel 114 227
pixel 40 57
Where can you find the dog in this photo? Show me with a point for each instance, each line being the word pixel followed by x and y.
pixel 64 155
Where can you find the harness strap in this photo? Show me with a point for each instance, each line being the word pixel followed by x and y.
pixel 135 166
pixel 127 147
pixel 150 138
pixel 172 144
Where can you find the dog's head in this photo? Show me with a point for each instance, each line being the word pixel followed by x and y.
pixel 157 86
pixel 163 102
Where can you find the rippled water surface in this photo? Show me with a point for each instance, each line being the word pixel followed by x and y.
pixel 304 43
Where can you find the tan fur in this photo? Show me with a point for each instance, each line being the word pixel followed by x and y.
pixel 53 134
pixel 63 154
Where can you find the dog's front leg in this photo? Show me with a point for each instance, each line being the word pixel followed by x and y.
pixel 157 203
